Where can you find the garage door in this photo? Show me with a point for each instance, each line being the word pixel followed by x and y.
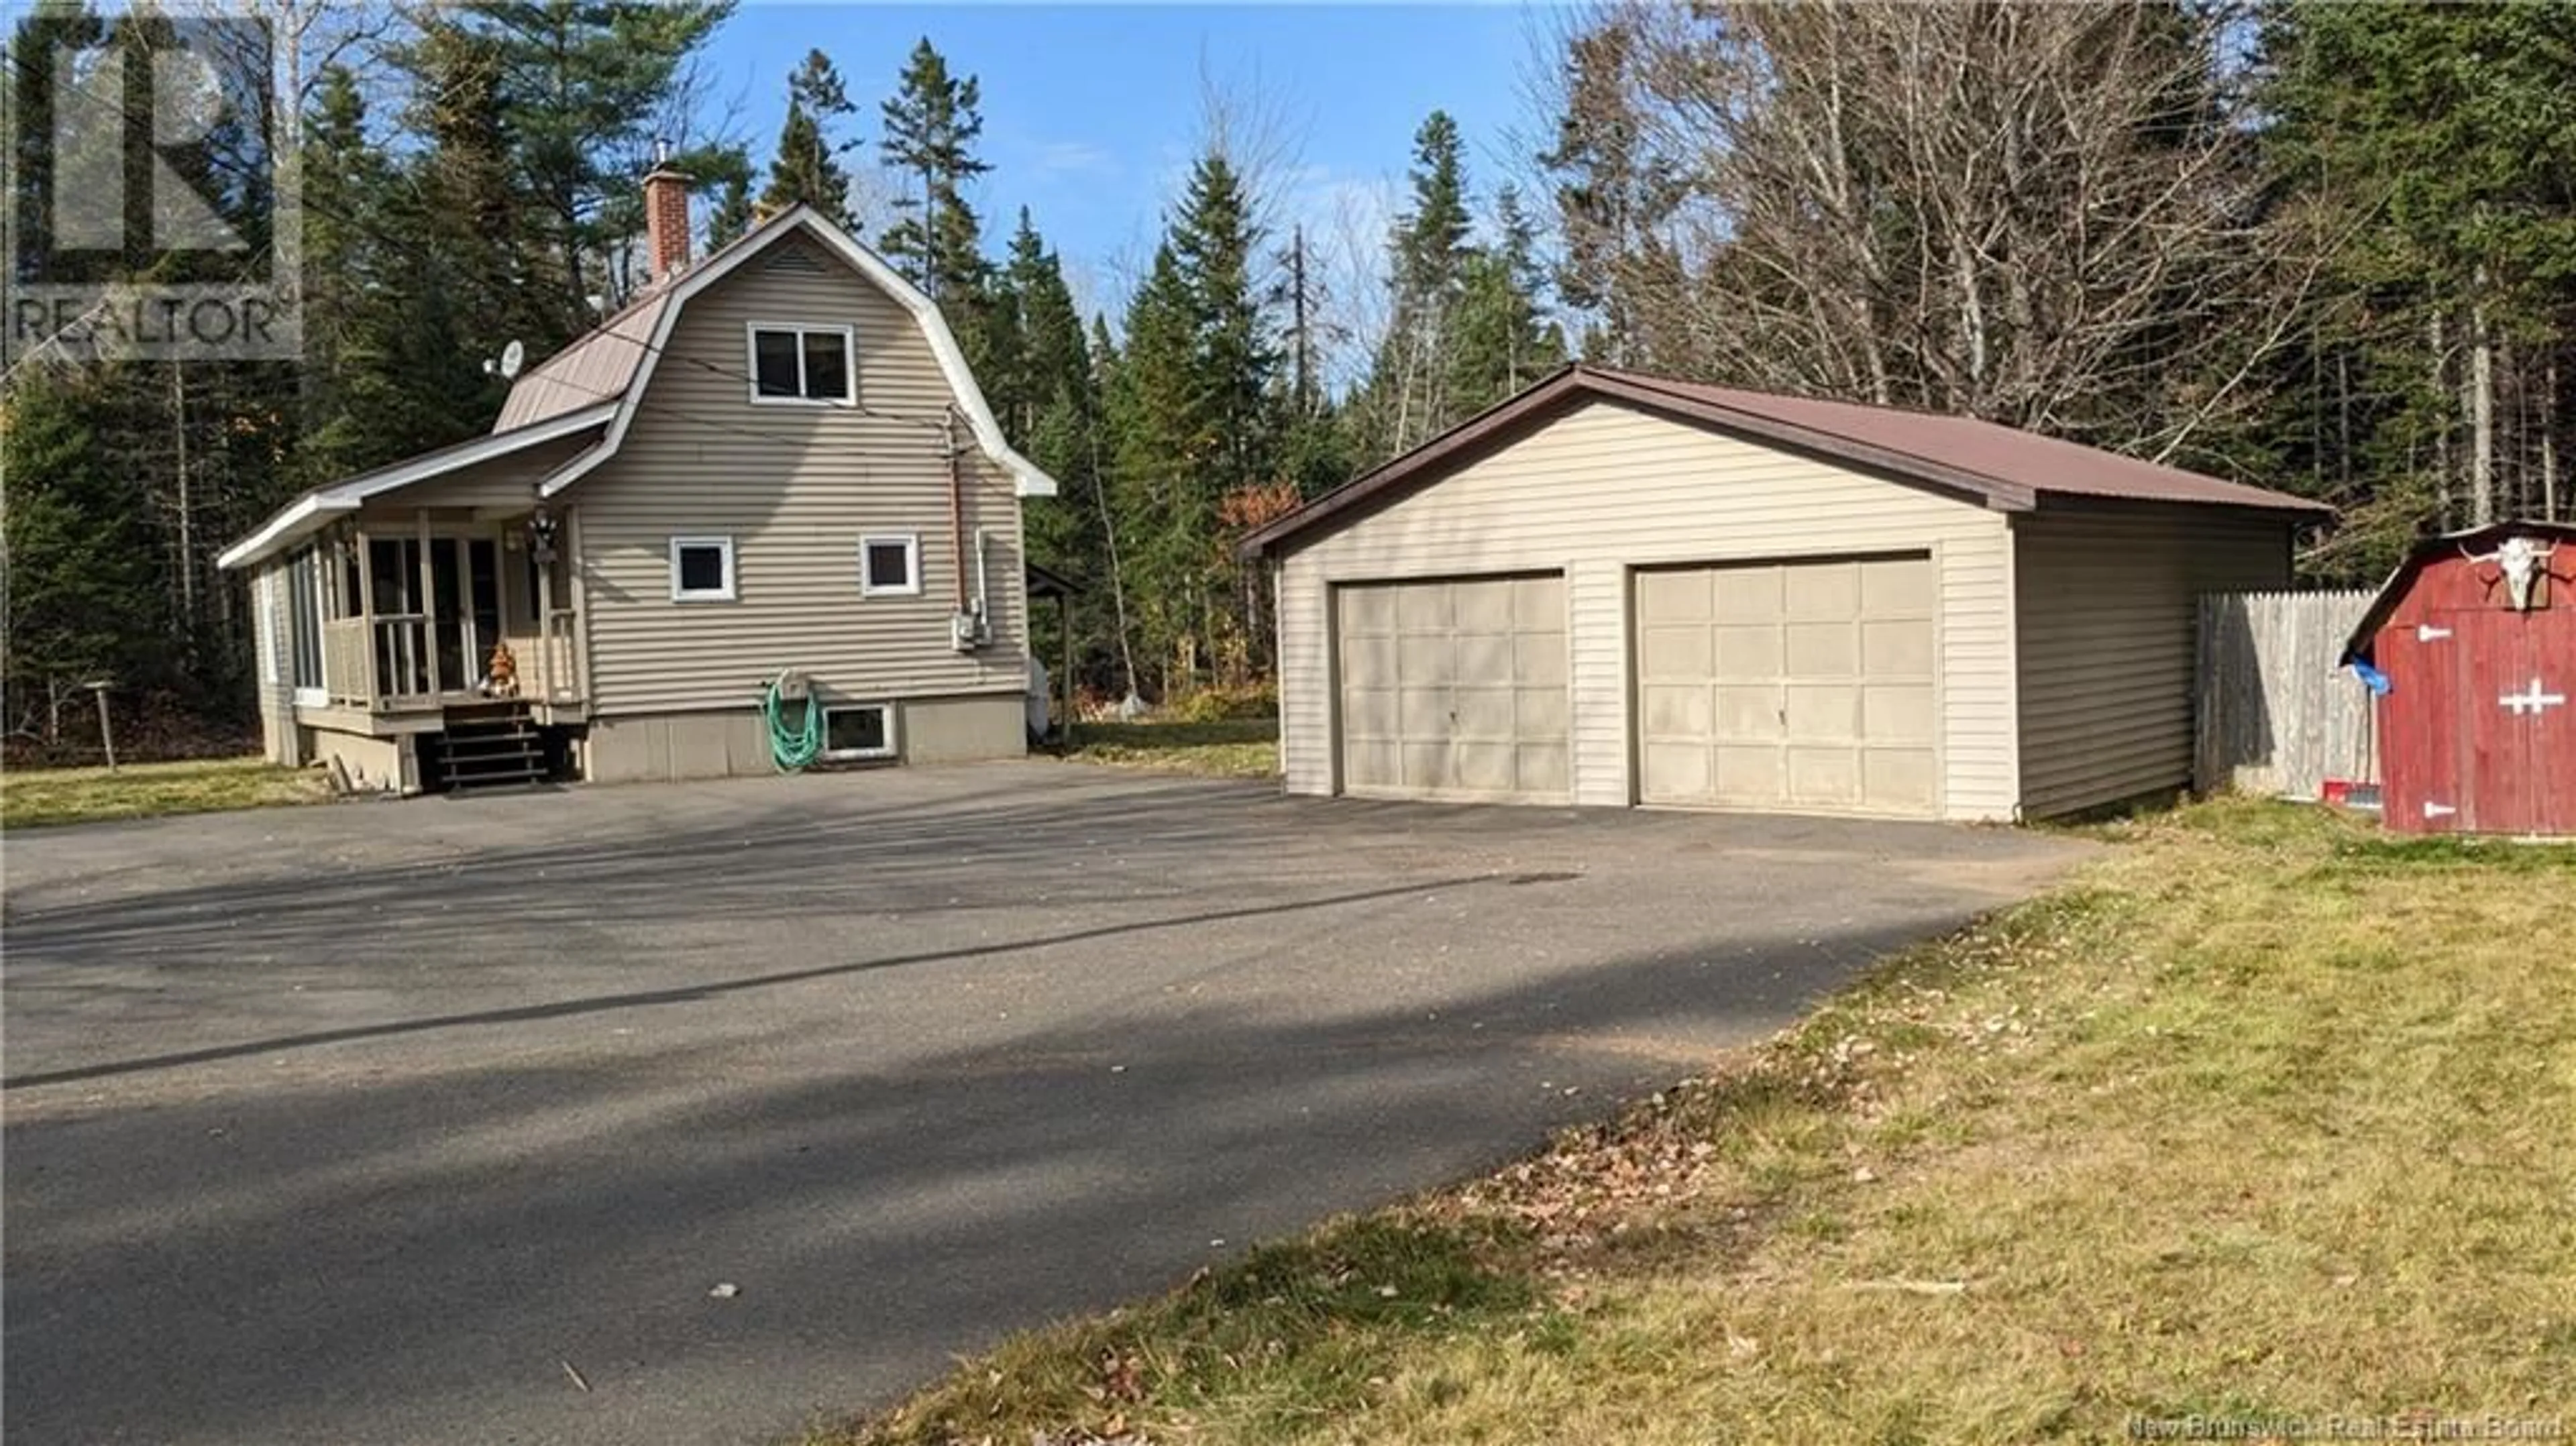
pixel 1802 685
pixel 1454 688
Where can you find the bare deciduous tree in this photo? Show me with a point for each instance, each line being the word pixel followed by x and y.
pixel 2049 216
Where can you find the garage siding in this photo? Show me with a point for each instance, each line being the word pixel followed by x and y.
pixel 1606 488
pixel 2108 603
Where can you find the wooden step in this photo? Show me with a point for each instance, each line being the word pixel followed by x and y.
pixel 494 743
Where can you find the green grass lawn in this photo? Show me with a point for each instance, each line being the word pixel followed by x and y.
pixel 72 795
pixel 2261 1114
pixel 1238 748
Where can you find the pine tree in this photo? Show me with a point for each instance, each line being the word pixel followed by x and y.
pixel 731 215
pixel 48 28
pixel 1192 409
pixel 1216 241
pixel 1051 410
pixel 2436 141
pixel 1408 391
pixel 1159 494
pixel 808 167
pixel 1501 340
pixel 931 125
pixel 84 596
pixel 1431 238
pixel 572 90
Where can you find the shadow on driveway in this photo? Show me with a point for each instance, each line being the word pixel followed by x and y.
pixel 913 1066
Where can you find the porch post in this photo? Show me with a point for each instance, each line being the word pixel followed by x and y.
pixel 367 612
pixel 428 603
pixel 545 571
pixel 577 650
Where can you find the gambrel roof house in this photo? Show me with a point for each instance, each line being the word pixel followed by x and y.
pixel 773 462
pixel 1622 589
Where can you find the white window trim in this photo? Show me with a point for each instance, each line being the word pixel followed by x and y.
pixel 849 336
pixel 893 743
pixel 303 697
pixel 731 588
pixel 911 544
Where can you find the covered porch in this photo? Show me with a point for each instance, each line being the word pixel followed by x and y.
pixel 402 614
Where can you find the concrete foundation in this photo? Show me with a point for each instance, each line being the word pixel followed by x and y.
pixel 735 742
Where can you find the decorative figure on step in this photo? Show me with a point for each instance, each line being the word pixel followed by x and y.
pixel 501 673
pixel 2519 559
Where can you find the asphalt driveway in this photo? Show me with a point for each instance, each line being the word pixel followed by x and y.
pixel 440 1121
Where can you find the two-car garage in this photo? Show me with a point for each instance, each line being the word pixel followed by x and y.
pixel 1620 590
pixel 1797 684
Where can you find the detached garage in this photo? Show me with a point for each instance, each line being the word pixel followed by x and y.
pixel 1617 589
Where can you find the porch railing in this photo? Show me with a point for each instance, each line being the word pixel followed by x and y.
pixel 346 677
pixel 562 643
pixel 383 661
pixel 402 657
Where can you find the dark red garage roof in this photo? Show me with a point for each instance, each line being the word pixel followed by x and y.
pixel 1986 462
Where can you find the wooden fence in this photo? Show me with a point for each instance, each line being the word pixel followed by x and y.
pixel 2278 716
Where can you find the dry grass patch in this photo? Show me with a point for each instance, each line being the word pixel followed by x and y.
pixel 2262 1115
pixel 30 797
pixel 1231 748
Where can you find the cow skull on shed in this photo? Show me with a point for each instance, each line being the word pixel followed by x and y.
pixel 2519 559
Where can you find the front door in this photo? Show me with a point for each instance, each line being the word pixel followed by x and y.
pixel 465 580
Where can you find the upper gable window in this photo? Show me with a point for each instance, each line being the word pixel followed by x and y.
pixel 801 364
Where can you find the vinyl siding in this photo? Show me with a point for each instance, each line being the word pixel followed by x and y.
pixel 2108 601
pixel 1606 488
pixel 503 482
pixel 795 487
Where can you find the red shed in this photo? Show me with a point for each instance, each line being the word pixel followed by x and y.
pixel 2475 636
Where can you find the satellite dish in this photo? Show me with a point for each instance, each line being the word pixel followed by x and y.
pixel 513 357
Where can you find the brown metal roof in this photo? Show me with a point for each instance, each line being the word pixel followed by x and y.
pixel 594 367
pixel 1983 462
pixel 601 363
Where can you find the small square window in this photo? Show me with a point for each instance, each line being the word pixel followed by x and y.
pixel 861 731
pixel 702 569
pixel 889 566
pixel 801 364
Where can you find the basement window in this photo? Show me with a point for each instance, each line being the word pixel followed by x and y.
pixel 890 566
pixel 856 731
pixel 702 569
pixel 797 364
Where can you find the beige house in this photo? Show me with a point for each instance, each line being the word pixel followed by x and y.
pixel 1617 589
pixel 773 462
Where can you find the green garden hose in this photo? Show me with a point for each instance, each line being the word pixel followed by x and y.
pixel 791 748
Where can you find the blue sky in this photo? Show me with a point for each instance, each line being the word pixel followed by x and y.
pixel 1091 112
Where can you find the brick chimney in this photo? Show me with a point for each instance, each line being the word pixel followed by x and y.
pixel 666 221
